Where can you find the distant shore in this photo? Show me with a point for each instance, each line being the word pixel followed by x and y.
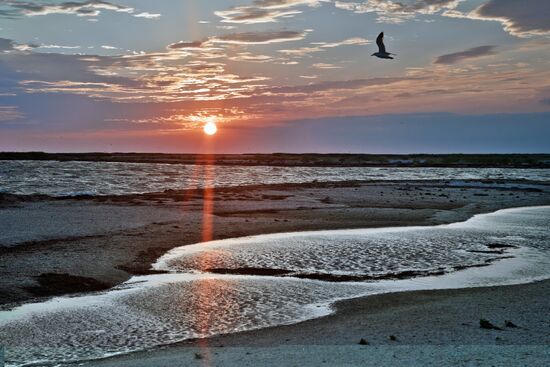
pixel 303 160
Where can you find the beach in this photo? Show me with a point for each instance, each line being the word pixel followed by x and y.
pixel 89 244
pixel 430 327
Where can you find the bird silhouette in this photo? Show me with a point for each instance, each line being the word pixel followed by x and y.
pixel 382 53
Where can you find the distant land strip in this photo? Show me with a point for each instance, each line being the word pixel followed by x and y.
pixel 302 160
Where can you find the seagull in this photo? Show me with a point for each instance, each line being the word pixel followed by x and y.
pixel 381 48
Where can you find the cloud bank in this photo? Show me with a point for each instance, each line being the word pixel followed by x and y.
pixel 470 53
pixel 523 18
pixel 90 8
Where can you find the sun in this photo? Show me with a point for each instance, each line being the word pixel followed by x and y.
pixel 210 128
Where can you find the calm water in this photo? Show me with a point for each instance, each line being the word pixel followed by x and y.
pixel 106 178
pixel 191 301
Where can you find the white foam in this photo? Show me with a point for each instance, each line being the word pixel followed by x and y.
pixel 370 252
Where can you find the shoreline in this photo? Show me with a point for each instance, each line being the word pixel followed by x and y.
pixel 444 322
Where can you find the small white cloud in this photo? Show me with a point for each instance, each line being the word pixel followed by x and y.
pixel 325 66
pixel 148 15
pixel 59 47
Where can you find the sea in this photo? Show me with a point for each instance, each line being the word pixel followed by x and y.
pixel 74 178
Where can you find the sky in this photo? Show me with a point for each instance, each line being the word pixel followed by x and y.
pixel 469 76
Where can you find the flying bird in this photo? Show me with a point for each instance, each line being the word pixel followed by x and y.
pixel 382 53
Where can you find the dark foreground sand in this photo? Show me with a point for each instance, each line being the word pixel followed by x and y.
pixel 52 247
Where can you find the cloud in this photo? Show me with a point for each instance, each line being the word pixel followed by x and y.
pixel 322 46
pixel 520 18
pixel 253 15
pixel 147 15
pixel 249 57
pixel 322 65
pixel 244 38
pixel 7 45
pixel 397 11
pixel 10 113
pixel 302 51
pixel 470 53
pixel 63 47
pixel 144 78
pixel 90 8
pixel 338 85
pixel 255 38
pixel 354 41
pixel 264 11
pixel 53 71
pixel 183 45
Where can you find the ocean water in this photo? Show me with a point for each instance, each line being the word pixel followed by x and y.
pixel 108 178
pixel 193 300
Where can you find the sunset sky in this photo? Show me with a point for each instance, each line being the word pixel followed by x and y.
pixel 275 75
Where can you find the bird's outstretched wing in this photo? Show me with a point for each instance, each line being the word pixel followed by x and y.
pixel 380 43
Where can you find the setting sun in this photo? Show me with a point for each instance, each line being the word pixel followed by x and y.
pixel 210 128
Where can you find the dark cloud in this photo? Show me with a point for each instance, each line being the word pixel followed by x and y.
pixel 29 70
pixel 525 17
pixel 185 45
pixel 90 8
pixel 470 53
pixel 10 45
pixel 337 85
pixel 6 44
